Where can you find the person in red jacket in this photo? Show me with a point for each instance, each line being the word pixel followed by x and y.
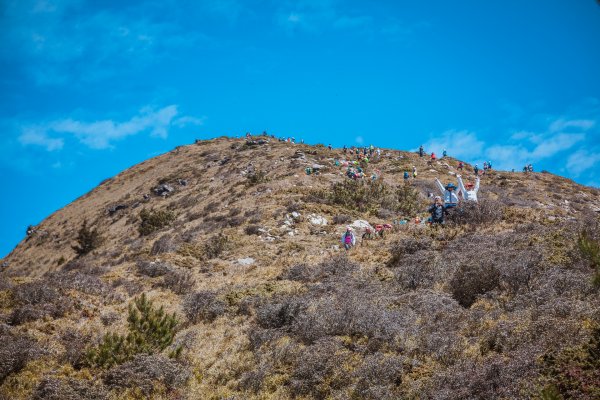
pixel 432 156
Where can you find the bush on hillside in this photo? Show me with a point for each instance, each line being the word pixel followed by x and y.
pixel 252 230
pixel 165 244
pixel 153 268
pixel 154 220
pixel 483 212
pixel 36 300
pixel 87 240
pixel 369 196
pixel 150 330
pixel 575 372
pixel 15 352
pixel 178 281
pixel 256 177
pixel 148 374
pixel 215 246
pixel 473 280
pixel 68 389
pixel 203 306
pixel 590 250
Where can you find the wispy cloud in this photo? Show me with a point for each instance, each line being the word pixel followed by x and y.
pixel 102 134
pixel 581 161
pixel 547 144
pixel 38 136
pixel 460 144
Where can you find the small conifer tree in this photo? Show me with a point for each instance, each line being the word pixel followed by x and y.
pixel 87 240
pixel 151 331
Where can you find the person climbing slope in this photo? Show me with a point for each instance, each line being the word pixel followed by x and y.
pixel 438 211
pixel 348 238
pixel 414 173
pixel 421 151
pixel 449 193
pixel 468 191
pixel 406 176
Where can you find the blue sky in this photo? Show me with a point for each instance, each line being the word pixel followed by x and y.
pixel 89 88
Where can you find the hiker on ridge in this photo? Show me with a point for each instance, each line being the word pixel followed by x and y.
pixel 468 191
pixel 348 238
pixel 449 193
pixel 421 152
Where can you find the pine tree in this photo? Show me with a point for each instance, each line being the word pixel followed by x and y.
pixel 87 240
pixel 151 331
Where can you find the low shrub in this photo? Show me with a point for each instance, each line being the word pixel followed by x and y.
pixel 179 281
pixel 256 177
pixel 15 352
pixel 341 219
pixel 148 374
pixel 252 230
pixel 153 268
pixel 215 246
pixel 36 300
pixel 203 306
pixel 369 196
pixel 68 389
pixel 165 244
pixel 574 373
pixel 590 250
pixel 154 220
pixel 483 212
pixel 471 281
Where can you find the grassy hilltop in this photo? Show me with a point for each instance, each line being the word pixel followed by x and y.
pixel 215 271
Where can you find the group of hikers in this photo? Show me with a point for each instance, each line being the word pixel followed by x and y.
pixel 449 198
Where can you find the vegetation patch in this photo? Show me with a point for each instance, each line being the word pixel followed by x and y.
pixel 154 220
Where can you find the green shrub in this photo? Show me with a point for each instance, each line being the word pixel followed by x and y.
pixel 370 196
pixel 573 373
pixel 151 331
pixel 215 246
pixel 153 220
pixel 256 177
pixel 87 240
pixel 590 250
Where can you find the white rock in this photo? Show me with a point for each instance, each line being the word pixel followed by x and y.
pixel 245 261
pixel 287 222
pixel 361 224
pixel 317 220
pixel 295 215
pixel 290 233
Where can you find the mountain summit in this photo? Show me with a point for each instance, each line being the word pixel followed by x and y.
pixel 217 271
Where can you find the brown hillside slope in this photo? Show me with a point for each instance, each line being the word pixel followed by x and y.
pixel 497 308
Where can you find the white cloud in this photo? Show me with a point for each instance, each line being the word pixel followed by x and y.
pixel 581 161
pixel 580 124
pixel 459 144
pixel 555 144
pixel 102 134
pixel 38 137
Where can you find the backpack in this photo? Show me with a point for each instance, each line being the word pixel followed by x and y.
pixel 348 238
